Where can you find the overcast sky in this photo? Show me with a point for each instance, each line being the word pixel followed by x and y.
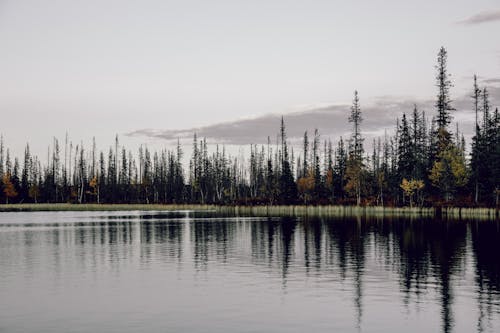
pixel 96 68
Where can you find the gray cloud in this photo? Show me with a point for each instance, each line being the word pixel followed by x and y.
pixel 482 17
pixel 492 81
pixel 331 122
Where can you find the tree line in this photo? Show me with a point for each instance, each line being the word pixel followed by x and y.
pixel 424 162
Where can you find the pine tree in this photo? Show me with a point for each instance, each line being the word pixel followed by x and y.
pixel 318 185
pixel 406 159
pixel 340 168
pixel 305 166
pixel 25 177
pixel 16 182
pixel 443 82
pixel 476 142
pixel 101 190
pixel 356 142
pixel 354 167
pixel 288 188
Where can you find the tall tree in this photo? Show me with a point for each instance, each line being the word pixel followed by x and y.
pixel 476 140
pixel 443 82
pixel 354 168
pixel 288 188
pixel 339 178
pixel 305 166
pixel 406 160
pixel 25 176
pixel 356 142
pixel 318 184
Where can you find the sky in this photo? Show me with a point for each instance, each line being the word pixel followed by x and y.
pixel 151 71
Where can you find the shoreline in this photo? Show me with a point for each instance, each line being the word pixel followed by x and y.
pixel 456 213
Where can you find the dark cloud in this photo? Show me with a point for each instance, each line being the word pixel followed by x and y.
pixel 492 81
pixel 482 17
pixel 331 122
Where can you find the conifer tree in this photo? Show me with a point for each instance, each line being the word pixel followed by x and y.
pixel 406 159
pixel 288 188
pixel 443 82
pixel 354 168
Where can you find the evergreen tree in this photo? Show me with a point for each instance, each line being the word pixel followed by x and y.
pixel 288 188
pixel 340 168
pixel 443 82
pixel 356 141
pixel 318 184
pixel 406 160
pixel 355 167
pixel 25 177
pixel 476 142
pixel 305 167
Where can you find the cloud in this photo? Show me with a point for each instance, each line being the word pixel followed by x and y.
pixel 331 121
pixel 492 81
pixel 482 17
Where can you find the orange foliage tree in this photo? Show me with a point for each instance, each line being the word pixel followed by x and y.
pixel 305 185
pixel 8 188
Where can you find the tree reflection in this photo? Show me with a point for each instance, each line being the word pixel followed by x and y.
pixel 335 253
pixel 486 247
pixel 447 245
pixel 410 240
pixel 211 238
pixel 349 238
pixel 428 247
pixel 287 229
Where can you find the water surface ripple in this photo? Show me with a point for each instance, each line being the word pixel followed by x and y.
pixel 195 272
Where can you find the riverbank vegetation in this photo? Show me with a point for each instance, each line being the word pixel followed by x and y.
pixel 423 163
pixel 327 211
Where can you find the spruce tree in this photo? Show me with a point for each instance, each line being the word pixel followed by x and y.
pixel 476 142
pixel 405 151
pixel 354 168
pixel 288 188
pixel 443 82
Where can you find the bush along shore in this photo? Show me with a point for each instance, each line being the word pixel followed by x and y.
pixel 449 213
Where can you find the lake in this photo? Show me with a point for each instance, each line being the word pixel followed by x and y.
pixel 198 272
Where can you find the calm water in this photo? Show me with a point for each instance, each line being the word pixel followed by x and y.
pixel 187 272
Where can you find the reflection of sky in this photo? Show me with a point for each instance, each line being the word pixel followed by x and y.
pixel 146 270
pixel 100 68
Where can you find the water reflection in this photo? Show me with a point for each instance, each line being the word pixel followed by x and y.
pixel 485 238
pixel 428 261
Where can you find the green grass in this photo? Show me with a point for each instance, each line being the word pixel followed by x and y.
pixel 319 211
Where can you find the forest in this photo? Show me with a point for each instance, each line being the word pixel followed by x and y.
pixel 424 162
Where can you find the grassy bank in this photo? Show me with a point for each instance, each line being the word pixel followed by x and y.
pixel 320 211
pixel 44 207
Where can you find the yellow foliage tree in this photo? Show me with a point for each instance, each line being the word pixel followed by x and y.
pixel 449 172
pixel 354 177
pixel 94 185
pixel 305 186
pixel 411 188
